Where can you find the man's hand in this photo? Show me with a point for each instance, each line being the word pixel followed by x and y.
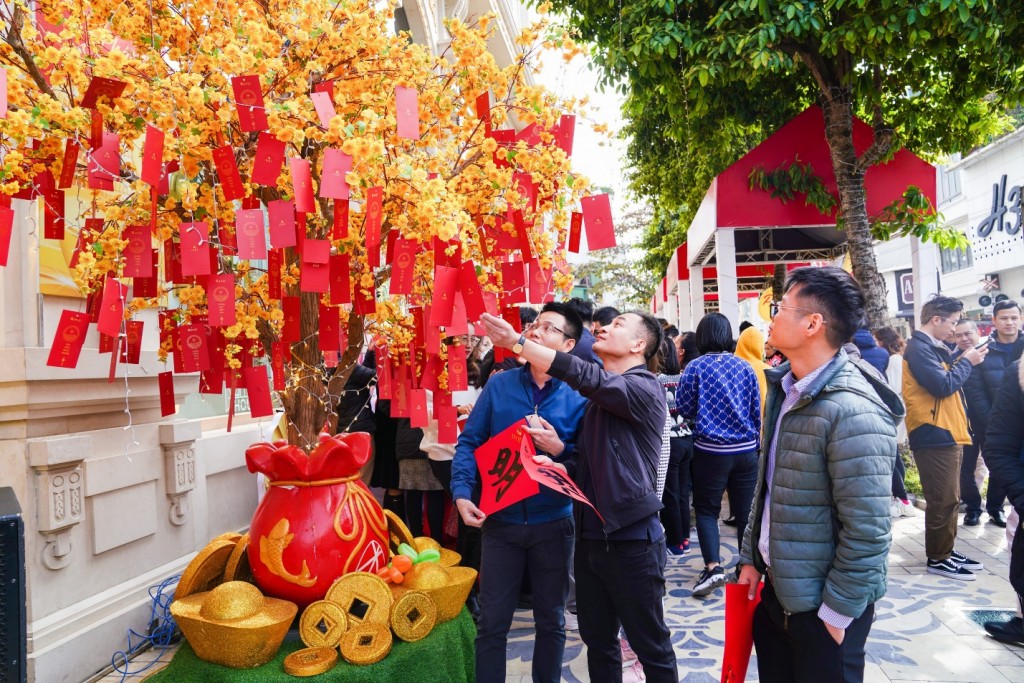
pixel 471 514
pixel 500 332
pixel 545 438
pixel 545 461
pixel 751 577
pixel 837 633
pixel 975 356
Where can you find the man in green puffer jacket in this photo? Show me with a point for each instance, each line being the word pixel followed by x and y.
pixel 820 526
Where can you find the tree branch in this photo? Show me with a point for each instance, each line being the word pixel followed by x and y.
pixel 14 39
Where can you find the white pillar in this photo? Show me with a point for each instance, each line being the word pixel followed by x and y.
pixel 685 323
pixel 696 295
pixel 925 260
pixel 728 287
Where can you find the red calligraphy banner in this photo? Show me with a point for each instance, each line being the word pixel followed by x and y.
pixel 502 477
pixel 552 477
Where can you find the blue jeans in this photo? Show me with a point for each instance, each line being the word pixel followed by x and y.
pixel 713 475
pixel 543 549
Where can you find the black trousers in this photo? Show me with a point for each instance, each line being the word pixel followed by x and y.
pixel 623 583
pixel 799 649
pixel 1017 561
pixel 995 498
pixel 675 516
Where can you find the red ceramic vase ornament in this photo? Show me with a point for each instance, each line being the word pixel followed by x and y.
pixel 317 521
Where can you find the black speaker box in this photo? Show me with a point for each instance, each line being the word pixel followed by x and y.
pixel 12 590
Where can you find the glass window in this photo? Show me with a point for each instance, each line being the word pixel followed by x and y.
pixel 955 259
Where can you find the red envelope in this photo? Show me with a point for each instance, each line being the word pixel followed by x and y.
pixel 407 112
pixel 458 378
pixel 212 381
pixel 418 418
pixel 551 476
pixel 220 296
pixel 291 332
pixel 68 340
pixel 252 115
pixel 365 299
pixel 302 185
pixel 250 235
pixel 104 163
pixel 446 282
pixel 164 186
pixel 166 382
pixel 565 133
pixel 227 173
pixel 575 228
pixel 503 480
pixel 112 307
pixel 53 208
pixel 332 177
pixel 441 256
pixel 339 230
pixel 153 156
pixel 131 349
pixel 102 87
pixel 269 160
pixel 106 344
pixel 257 384
pixel 195 248
pixel 524 186
pixel 472 292
pixel 96 130
pixel 597 217
pixel 325 86
pixel 314 277
pixel 192 345
pixel 541 290
pixel 277 365
pixel 523 234
pixel 275 259
pixel 403 267
pixel 324 106
pixel 491 302
pixel 384 382
pixel 739 631
pixel 147 287
pixel 316 251
pixel 341 284
pixel 459 324
pixel 282 223
pixel 513 282
pixel 69 165
pixel 447 422
pixel 329 328
pixel 483 109
pixel 6 228
pixel 374 200
pixel 3 93
pixel 138 254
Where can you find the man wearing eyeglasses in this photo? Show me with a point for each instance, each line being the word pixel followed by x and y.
pixel 536 534
pixel 937 428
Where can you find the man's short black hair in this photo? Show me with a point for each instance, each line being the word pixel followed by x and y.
pixel 1003 305
pixel 605 315
pixel 714 334
pixel 573 327
pixel 942 306
pixel 833 293
pixel 745 324
pixel 527 314
pixel 650 331
pixel 584 308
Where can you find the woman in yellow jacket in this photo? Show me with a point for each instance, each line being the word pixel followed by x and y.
pixel 750 347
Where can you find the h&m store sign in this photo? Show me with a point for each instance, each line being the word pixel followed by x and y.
pixel 1003 203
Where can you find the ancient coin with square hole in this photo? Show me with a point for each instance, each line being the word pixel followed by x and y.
pixel 322 624
pixel 364 597
pixel 413 616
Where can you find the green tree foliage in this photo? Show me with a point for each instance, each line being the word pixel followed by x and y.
pixel 704 79
pixel 619 273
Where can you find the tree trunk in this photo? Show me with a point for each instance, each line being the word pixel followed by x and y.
pixel 853 210
pixel 778 281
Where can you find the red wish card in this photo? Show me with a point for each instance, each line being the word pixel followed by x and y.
pixel 505 139
pixel 316 251
pixel 541 290
pixel 147 287
pixel 6 228
pixel 403 267
pixel 502 478
pixel 418 417
pixel 739 631
pixel 102 87
pixel 227 173
pixel 96 130
pixel 551 476
pixel 565 132
pixel 458 379
pixel 329 328
pixel 106 344
pixel 53 207
pixel 447 422
pixel 374 200
pixel 195 248
pixel 104 163
pixel 138 253
pixel 302 185
pixel 220 297
pixel 192 344
pixel 275 260
pixel 277 350
pixel 266 166
pixel 575 228
pixel 525 187
pixel 459 324
pixel 383 374
pixel 597 218
pixel 314 277
pixel 153 156
pixel 339 230
pixel 166 382
pixel 282 223
pixel 446 282
pixel 112 307
pixel 472 292
pixel 291 331
pixel 364 299
pixel 513 282
pixel 332 177
pixel 341 279
pixel 324 106
pixel 250 235
pixel 69 165
pixel 228 239
pixel 441 255
pixel 3 93
pixel 407 112
pixel 483 109
pixel 131 349
pixel 68 341
pixel 257 384
pixel 252 115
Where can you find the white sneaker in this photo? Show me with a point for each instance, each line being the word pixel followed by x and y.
pixel 896 508
pixel 633 672
pixel 908 509
pixel 572 622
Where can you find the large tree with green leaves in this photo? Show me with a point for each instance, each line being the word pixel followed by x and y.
pixel 932 75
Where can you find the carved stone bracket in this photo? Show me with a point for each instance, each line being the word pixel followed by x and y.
pixel 178 442
pixel 60 493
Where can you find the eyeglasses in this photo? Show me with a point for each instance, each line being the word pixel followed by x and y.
pixel 775 307
pixel 544 328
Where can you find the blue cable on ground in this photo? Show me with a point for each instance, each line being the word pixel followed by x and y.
pixel 161 629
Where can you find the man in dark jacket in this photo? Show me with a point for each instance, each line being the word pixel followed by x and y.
pixel 871 351
pixel 820 529
pixel 620 555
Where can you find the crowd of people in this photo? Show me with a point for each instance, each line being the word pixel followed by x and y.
pixel 806 435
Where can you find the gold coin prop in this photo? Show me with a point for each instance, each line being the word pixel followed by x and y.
pixel 398 532
pixel 312 661
pixel 237 567
pixel 364 597
pixel 413 616
pixel 366 643
pixel 322 624
pixel 205 570
pixel 232 536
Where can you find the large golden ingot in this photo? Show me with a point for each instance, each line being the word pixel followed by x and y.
pixel 449 597
pixel 234 625
pixel 426 575
pixel 398 532
pixel 237 567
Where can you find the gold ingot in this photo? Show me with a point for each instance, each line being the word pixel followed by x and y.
pixel 413 616
pixel 364 597
pixel 426 575
pixel 449 558
pixel 398 532
pixel 421 543
pixel 311 661
pixel 322 624
pixel 234 625
pixel 366 644
pixel 451 597
pixel 237 567
pixel 205 570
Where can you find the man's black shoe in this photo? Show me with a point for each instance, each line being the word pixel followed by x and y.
pixel 997 519
pixel 972 518
pixel 731 521
pixel 1011 631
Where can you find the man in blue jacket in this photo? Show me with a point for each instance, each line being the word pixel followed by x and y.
pixel 536 534
pixel 620 555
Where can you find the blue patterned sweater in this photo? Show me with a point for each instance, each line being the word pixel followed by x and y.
pixel 719 391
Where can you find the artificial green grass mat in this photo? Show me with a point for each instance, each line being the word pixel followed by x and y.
pixel 446 655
